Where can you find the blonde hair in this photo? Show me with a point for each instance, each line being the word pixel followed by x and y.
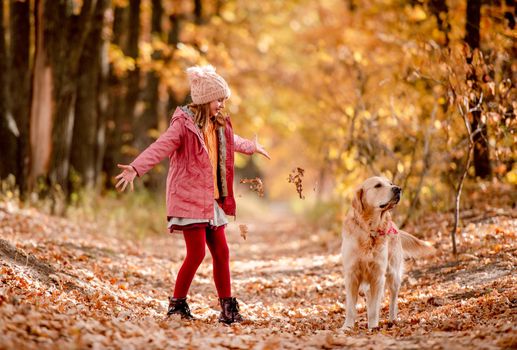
pixel 202 115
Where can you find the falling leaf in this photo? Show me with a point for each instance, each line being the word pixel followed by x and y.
pixel 296 178
pixel 243 230
pixel 256 185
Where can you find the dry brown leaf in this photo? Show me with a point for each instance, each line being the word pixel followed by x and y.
pixel 290 291
pixel 255 185
pixel 243 230
pixel 296 178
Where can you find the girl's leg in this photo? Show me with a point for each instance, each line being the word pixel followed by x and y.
pixel 195 241
pixel 216 241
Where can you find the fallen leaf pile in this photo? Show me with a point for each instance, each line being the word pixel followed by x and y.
pixel 66 284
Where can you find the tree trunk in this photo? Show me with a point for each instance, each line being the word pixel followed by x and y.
pixel 218 7
pixel 133 78
pixel 20 85
pixel 66 35
pixel 124 92
pixel 472 33
pixel 149 117
pixel 440 11
pixel 8 128
pixel 481 158
pixel 40 117
pixel 173 40
pixel 116 92
pixel 352 5
pixel 88 134
pixel 198 12
pixel 103 103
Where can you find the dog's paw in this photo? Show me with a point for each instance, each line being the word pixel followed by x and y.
pixel 373 326
pixel 391 323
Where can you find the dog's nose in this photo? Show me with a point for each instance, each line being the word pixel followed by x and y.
pixel 396 189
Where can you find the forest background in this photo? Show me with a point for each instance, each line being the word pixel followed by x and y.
pixel 420 91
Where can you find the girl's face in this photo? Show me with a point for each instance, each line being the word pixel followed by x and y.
pixel 216 106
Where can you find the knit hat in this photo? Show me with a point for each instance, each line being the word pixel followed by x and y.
pixel 206 85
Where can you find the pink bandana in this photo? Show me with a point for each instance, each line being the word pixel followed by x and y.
pixel 390 231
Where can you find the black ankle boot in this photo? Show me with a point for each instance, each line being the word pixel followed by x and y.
pixel 179 306
pixel 229 311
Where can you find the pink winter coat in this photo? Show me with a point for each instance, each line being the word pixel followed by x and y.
pixel 190 186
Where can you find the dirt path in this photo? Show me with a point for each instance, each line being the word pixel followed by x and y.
pixel 103 291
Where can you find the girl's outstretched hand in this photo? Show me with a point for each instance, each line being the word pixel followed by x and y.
pixel 260 148
pixel 125 177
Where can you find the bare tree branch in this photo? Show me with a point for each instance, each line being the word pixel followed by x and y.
pixel 465 170
pixel 427 163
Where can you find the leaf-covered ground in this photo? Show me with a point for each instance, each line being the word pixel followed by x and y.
pixel 65 285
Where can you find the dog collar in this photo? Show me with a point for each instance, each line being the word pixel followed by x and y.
pixel 390 231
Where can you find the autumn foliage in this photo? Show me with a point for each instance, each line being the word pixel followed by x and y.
pixel 422 92
pixel 65 283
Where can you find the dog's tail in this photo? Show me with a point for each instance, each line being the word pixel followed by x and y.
pixel 414 247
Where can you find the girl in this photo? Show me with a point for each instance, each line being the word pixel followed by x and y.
pixel 200 144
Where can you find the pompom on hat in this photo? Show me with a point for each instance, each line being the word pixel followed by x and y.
pixel 206 85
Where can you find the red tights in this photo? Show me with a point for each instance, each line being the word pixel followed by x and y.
pixel 195 240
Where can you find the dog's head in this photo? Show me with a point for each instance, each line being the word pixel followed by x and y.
pixel 377 194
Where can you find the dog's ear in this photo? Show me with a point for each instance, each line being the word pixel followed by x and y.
pixel 357 202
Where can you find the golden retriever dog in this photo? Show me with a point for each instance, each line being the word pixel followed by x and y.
pixel 373 250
